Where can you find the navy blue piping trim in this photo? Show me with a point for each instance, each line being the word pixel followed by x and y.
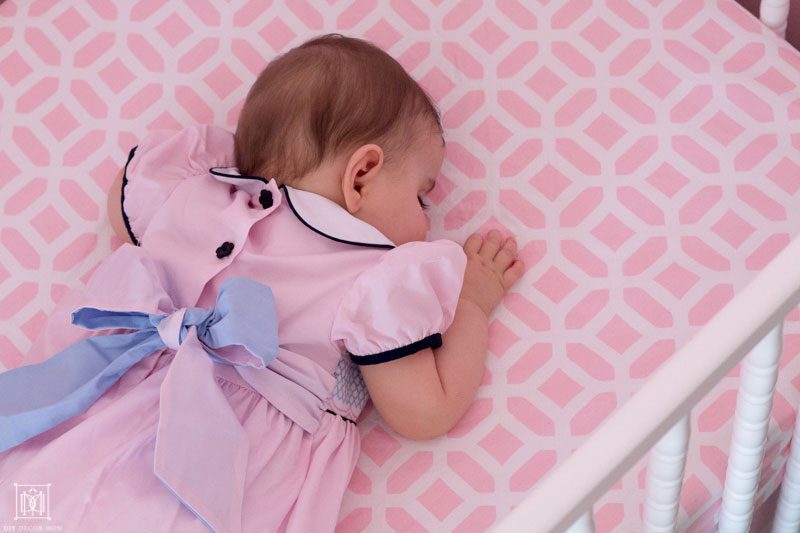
pixel 245 176
pixel 122 199
pixel 289 201
pixel 343 417
pixel 431 341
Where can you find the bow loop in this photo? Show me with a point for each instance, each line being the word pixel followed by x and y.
pixel 242 318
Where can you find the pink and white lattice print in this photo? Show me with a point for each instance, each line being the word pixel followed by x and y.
pixel 645 154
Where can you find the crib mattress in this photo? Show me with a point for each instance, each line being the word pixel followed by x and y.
pixel 646 155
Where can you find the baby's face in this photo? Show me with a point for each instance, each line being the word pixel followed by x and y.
pixel 400 197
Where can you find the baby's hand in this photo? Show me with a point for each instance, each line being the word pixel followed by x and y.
pixel 492 268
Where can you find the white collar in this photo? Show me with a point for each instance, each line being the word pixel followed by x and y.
pixel 316 212
pixel 331 220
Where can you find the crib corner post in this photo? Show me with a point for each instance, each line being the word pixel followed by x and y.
pixel 775 14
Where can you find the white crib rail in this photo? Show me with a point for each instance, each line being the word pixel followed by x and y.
pixel 570 490
pixel 585 524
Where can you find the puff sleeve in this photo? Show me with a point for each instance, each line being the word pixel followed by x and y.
pixel 402 304
pixel 161 160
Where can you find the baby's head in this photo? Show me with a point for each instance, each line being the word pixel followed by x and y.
pixel 340 117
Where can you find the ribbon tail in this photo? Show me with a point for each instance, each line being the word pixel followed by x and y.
pixel 38 397
pixel 201 448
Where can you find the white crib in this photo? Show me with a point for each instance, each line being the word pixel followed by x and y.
pixel 656 418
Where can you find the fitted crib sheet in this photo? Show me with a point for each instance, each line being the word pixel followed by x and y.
pixel 646 155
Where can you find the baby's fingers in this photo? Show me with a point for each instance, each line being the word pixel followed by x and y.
pixel 513 273
pixel 505 256
pixel 473 244
pixel 491 244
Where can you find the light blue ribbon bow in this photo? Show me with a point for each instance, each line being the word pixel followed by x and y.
pixel 35 398
pixel 197 430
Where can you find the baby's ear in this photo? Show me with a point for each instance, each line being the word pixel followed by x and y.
pixel 361 169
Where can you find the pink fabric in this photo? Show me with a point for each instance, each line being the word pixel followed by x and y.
pixel 300 456
pixel 646 155
pixel 390 304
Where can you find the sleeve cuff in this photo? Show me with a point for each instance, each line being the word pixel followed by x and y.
pixel 431 341
pixel 122 200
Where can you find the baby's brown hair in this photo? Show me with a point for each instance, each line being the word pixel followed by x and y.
pixel 331 94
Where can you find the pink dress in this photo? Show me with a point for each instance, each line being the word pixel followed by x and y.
pixel 344 296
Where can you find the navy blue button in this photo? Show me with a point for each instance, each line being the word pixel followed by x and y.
pixel 265 199
pixel 224 250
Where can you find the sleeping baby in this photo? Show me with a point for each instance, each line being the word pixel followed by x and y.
pixel 275 279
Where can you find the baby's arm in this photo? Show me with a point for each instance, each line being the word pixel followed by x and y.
pixel 423 395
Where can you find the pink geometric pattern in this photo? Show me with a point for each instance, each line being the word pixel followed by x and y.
pixel 645 154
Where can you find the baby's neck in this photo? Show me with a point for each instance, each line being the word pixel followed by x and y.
pixel 325 181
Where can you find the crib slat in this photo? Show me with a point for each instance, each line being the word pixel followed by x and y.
pixel 665 479
pixel 584 524
pixel 774 14
pixel 787 515
pixel 759 372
